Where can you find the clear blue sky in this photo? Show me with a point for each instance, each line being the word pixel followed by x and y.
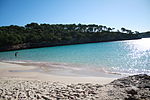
pixel 131 14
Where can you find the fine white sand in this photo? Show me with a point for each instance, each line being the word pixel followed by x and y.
pixel 25 82
pixel 21 72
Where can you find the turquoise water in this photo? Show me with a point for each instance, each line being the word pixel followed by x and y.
pixel 130 57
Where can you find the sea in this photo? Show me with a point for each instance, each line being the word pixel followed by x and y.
pixel 93 59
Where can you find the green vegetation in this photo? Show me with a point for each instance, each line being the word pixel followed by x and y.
pixel 144 34
pixel 60 34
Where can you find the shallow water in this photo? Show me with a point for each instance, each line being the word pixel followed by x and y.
pixel 124 57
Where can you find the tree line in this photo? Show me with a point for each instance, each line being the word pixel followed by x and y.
pixel 54 34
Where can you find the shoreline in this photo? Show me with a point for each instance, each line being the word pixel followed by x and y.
pixel 43 45
pixel 25 72
pixel 68 69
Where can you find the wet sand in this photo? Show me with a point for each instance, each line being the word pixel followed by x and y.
pixel 30 72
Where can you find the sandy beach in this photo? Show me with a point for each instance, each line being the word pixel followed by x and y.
pixel 26 82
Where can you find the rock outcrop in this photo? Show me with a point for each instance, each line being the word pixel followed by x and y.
pixel 136 87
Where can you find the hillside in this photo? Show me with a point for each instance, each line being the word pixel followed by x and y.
pixel 35 35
